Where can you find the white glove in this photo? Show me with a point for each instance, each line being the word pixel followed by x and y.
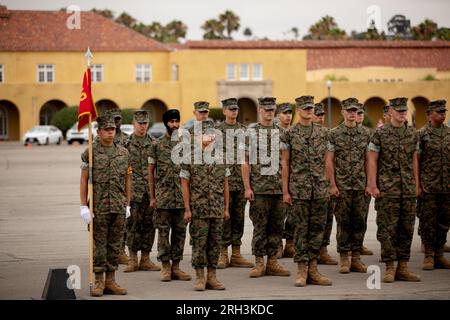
pixel 128 212
pixel 85 214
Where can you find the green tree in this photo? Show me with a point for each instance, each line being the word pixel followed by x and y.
pixel 174 30
pixel 326 29
pixel 247 32
pixel 425 30
pixel 443 34
pixel 65 118
pixel 213 29
pixel 230 21
pixel 126 20
pixel 104 12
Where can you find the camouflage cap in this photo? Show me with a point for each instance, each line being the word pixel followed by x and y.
pixel 284 107
pixel 141 116
pixel 399 104
pixel 230 103
pixel 437 105
pixel 201 106
pixel 319 109
pixel 267 103
pixel 305 102
pixel 105 121
pixel 350 103
pixel 115 113
pixel 386 109
pixel 361 108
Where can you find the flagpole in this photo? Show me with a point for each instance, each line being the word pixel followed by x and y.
pixel 90 190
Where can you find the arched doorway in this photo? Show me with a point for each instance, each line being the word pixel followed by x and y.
pixel 247 111
pixel 419 115
pixel 374 110
pixel 336 115
pixel 48 109
pixel 9 121
pixel 156 108
pixel 105 104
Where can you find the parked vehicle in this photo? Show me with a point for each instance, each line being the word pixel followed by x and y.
pixel 127 129
pixel 82 136
pixel 158 129
pixel 43 135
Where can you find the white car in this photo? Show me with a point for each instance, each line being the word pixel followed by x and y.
pixel 127 129
pixel 73 134
pixel 43 135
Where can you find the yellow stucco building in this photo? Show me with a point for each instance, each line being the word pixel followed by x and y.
pixel 42 63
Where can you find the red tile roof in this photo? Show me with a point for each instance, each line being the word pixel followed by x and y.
pixel 350 54
pixel 47 31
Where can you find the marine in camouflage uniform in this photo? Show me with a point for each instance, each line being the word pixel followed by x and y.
pixel 111 170
pixel 262 184
pixel 201 112
pixel 392 180
pixel 306 189
pixel 205 195
pixel 120 138
pixel 233 229
pixel 434 203
pixel 166 195
pixel 284 111
pixel 140 228
pixel 324 256
pixel 347 148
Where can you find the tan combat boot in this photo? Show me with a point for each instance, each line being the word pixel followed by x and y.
pixel 366 252
pixel 357 265
pixel 99 285
pixel 111 287
pixel 302 274
pixel 404 274
pixel 200 280
pixel 428 261
pixel 314 277
pixel 132 263
pixel 325 258
pixel 166 272
pixel 345 265
pixel 237 260
pixel 223 262
pixel 273 268
pixel 177 273
pixel 289 249
pixel 439 260
pixel 259 268
pixel 389 275
pixel 123 258
pixel 446 248
pixel 279 253
pixel 212 282
pixel 146 264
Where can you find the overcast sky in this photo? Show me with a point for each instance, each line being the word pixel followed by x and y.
pixel 266 18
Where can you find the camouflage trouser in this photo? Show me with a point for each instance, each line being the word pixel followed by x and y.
pixel 233 228
pixel 288 228
pixel 329 223
pixel 433 211
pixel 171 233
pixel 350 211
pixel 267 215
pixel 108 233
pixel 140 228
pixel 395 221
pixel 206 235
pixel 310 219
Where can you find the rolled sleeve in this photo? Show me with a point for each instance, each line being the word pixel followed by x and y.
pixel 373 147
pixel 227 172
pixel 84 166
pixel 151 160
pixel 330 147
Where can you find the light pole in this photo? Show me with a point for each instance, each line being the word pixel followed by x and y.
pixel 329 103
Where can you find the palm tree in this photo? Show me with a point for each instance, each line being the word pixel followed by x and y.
pixel 426 30
pixel 174 30
pixel 213 29
pixel 126 20
pixel 230 21
pixel 326 29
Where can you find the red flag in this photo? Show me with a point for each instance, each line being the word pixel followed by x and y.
pixel 87 106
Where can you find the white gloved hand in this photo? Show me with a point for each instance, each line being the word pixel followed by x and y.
pixel 85 214
pixel 128 212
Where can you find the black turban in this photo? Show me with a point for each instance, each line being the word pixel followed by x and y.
pixel 170 115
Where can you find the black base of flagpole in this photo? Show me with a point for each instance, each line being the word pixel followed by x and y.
pixel 56 286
